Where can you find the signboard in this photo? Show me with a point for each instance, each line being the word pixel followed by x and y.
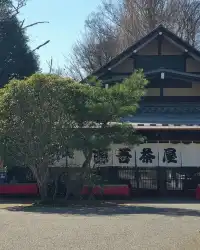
pixel 144 155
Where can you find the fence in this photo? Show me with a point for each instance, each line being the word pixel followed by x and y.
pixel 156 180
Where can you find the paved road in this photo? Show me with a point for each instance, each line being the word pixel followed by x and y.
pixel 138 226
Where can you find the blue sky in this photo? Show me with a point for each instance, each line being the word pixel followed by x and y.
pixel 66 19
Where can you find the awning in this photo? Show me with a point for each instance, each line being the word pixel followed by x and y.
pixel 153 121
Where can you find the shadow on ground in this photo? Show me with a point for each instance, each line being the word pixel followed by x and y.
pixel 113 208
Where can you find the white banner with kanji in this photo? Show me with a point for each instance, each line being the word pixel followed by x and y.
pixel 143 155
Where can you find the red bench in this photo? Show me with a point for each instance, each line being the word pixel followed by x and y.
pixel 32 189
pixel 21 189
pixel 198 192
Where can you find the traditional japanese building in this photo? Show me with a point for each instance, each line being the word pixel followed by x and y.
pixel 169 117
pixel 169 114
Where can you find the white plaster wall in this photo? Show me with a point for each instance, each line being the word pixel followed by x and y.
pixel 153 92
pixel 194 91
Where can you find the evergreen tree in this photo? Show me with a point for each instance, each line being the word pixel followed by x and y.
pixel 16 60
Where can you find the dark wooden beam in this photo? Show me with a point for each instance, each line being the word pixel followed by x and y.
pixel 170 83
pixel 135 61
pixel 185 55
pixel 161 88
pixel 160 41
pixel 172 99
pixel 171 86
pixel 119 73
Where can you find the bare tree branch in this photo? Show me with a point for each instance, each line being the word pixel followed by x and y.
pixel 22 23
pixel 55 70
pixel 118 23
pixel 50 65
pixel 33 24
pixel 40 46
pixel 16 5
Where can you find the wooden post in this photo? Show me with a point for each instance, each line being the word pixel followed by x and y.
pixel 136 173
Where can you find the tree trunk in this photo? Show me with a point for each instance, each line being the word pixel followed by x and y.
pixel 43 188
pixel 88 158
pixel 56 188
pixel 41 174
pixel 84 174
pixel 74 184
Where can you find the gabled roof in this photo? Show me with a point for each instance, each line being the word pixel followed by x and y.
pixel 160 30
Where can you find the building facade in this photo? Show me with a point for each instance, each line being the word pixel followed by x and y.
pixel 169 113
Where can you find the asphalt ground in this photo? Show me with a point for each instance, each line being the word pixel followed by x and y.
pixel 123 226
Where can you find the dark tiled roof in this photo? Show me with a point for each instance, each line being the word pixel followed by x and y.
pixel 172 108
pixel 181 114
